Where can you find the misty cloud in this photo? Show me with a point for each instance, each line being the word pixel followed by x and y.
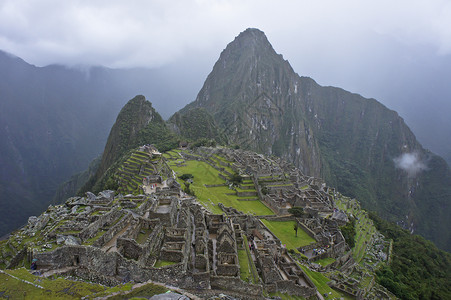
pixel 410 163
pixel 396 52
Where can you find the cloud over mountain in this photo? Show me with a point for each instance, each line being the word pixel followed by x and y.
pixel 410 163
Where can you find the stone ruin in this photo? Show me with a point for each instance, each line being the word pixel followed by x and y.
pixel 165 235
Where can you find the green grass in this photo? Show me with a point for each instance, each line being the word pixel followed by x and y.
pixel 142 237
pixel 214 195
pixel 201 172
pixel 320 281
pixel 94 238
pixel 217 161
pixel 59 288
pixel 286 234
pixel 245 272
pixel 364 230
pixel 163 263
pixel 204 174
pixel 223 159
pixel 253 274
pixel 325 261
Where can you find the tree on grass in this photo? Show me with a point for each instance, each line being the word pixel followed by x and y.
pixel 185 177
pixel 295 227
pixel 188 189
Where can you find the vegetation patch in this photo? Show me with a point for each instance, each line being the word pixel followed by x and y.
pixel 284 230
pixel 43 288
pixel 320 281
pixel 204 174
pixel 163 263
pixel 418 269
pixel 325 261
pixel 245 272
pixel 143 235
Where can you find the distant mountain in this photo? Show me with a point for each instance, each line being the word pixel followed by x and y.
pixel 354 143
pixel 55 120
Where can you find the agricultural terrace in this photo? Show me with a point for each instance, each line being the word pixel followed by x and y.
pixel 284 230
pixel 321 281
pixel 325 261
pixel 20 284
pixel 364 226
pixel 210 197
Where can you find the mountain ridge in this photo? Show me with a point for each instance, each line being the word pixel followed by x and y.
pixel 350 141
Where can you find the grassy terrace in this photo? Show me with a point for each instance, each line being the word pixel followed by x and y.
pixel 364 227
pixel 285 233
pixel 325 261
pixel 204 174
pixel 248 271
pixel 245 272
pixel 94 238
pixel 321 281
pixel 217 160
pixel 35 287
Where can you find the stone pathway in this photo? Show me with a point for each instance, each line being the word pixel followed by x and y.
pixel 57 271
pixel 111 245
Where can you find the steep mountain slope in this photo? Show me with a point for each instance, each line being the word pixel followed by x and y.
pixel 47 118
pixel 355 144
pixel 54 120
pixel 196 124
pixel 137 124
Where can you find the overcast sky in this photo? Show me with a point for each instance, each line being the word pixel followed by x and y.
pixel 398 52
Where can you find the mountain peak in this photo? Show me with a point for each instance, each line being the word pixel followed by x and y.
pixel 252 34
pixel 250 41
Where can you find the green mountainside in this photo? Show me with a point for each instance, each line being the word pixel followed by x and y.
pixel 137 124
pixel 350 141
pixel 196 124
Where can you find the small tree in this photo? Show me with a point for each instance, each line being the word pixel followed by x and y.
pixel 295 227
pixel 296 211
pixel 186 176
pixel 236 179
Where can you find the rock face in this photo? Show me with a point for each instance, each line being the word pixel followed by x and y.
pixel 253 95
pixel 354 143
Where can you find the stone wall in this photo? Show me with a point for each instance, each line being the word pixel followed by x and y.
pixel 93 229
pixel 83 256
pixel 246 194
pixel 14 262
pixel 235 285
pixel 152 246
pixel 107 236
pixel 172 251
pixel 129 248
pixel 291 288
pixel 307 230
